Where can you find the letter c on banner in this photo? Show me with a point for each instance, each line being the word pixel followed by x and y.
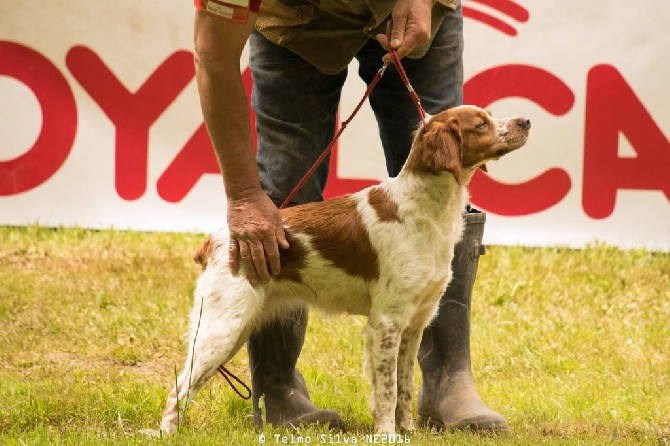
pixel 59 119
pixel 549 92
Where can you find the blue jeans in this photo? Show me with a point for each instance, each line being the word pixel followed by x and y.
pixel 296 106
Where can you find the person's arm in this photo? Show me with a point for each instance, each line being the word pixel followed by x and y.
pixel 253 219
pixel 408 28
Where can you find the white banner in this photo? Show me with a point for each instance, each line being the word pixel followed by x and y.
pixel 100 124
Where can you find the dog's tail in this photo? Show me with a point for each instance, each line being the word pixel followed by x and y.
pixel 203 253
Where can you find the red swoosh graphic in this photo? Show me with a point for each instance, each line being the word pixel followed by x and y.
pixel 507 7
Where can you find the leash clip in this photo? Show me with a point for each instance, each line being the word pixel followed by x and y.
pixel 381 71
pixel 410 89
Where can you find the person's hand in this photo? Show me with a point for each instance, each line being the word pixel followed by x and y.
pixel 408 28
pixel 256 233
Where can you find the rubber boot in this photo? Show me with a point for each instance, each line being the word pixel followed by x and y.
pixel 447 397
pixel 273 353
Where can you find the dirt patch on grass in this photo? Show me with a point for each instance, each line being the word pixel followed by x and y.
pixel 62 362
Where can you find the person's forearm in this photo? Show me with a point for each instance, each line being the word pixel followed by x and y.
pixel 224 107
pixel 255 225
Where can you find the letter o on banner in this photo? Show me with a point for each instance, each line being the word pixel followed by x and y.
pixel 59 119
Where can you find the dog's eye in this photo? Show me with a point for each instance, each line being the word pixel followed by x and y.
pixel 482 125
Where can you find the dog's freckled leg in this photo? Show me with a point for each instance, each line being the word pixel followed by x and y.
pixel 409 346
pixel 385 339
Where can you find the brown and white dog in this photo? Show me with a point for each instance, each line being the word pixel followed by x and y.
pixel 384 252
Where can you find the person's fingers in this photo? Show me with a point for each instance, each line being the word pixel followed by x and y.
pixel 389 28
pixel 257 226
pixel 233 253
pixel 386 41
pixel 248 263
pixel 409 42
pixel 260 262
pixel 383 41
pixel 397 33
pixel 280 233
pixel 272 255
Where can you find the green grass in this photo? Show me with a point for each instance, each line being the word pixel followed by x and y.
pixel 572 346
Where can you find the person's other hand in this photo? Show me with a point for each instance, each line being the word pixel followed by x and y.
pixel 256 233
pixel 408 28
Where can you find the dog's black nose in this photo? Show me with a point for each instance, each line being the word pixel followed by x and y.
pixel 524 123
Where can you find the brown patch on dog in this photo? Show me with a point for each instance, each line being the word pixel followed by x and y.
pixel 404 395
pixel 204 253
pixel 292 259
pixel 385 208
pixel 338 234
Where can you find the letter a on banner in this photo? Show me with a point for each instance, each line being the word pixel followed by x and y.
pixel 613 108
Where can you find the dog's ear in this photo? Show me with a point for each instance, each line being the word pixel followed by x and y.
pixel 443 148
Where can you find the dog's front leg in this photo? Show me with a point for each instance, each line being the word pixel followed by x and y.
pixel 382 343
pixel 409 346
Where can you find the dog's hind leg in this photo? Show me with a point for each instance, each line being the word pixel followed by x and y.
pixel 218 329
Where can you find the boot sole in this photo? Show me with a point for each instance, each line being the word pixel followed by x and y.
pixel 328 418
pixel 472 424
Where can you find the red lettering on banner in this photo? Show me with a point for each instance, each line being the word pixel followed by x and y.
pixel 337 185
pixel 59 119
pixel 549 92
pixel 192 162
pixel 131 113
pixel 248 83
pixel 198 158
pixel 613 108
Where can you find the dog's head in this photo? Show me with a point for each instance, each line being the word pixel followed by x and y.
pixel 465 137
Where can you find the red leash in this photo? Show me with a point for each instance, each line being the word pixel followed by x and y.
pixel 373 83
pixel 227 374
pixel 412 93
pixel 328 149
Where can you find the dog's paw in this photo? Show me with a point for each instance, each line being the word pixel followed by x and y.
pixel 154 433
pixel 385 429
pixel 404 421
pixel 168 426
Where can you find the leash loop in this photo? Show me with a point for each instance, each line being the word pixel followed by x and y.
pixel 228 375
